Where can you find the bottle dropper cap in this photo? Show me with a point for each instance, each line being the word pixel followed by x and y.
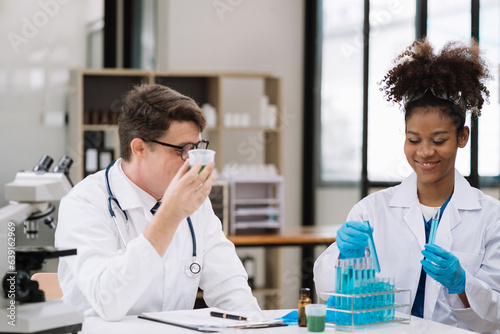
pixel 305 291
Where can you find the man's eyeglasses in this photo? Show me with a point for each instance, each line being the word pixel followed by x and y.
pixel 203 144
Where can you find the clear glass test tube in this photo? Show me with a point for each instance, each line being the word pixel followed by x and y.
pixel 371 245
pixel 434 225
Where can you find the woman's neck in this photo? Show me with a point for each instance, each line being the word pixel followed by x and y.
pixel 433 196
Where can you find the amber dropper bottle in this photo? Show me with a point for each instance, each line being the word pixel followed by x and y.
pixel 303 301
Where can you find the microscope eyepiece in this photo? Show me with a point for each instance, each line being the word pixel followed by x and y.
pixel 44 164
pixel 63 165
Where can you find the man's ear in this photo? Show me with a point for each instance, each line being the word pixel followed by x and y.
pixel 138 148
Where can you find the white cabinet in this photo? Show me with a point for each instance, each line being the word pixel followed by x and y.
pixel 256 204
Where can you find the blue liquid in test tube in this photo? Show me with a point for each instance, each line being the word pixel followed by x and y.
pixel 391 312
pixel 338 289
pixel 347 287
pixel 371 245
pixel 434 225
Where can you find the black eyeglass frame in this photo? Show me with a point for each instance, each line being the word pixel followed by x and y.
pixel 184 151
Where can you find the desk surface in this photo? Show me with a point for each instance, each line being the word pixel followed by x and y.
pixel 290 236
pixel 132 324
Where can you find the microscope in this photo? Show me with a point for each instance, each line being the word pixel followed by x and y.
pixel 23 307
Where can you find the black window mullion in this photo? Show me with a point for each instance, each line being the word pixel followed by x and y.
pixel 474 135
pixel 365 183
pixel 421 19
pixel 109 43
pixel 313 39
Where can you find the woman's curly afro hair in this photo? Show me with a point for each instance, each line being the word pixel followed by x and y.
pixel 456 73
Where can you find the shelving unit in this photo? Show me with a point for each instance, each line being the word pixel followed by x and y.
pixel 97 96
pixel 219 198
pixel 256 204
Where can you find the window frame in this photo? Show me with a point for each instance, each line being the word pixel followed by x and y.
pixel 312 107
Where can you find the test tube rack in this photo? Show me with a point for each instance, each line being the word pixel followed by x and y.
pixel 353 311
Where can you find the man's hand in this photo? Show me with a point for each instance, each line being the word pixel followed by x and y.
pixel 188 190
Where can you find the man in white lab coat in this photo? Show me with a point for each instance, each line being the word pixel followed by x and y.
pixel 454 280
pixel 145 227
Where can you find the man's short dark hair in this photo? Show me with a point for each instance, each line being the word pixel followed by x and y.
pixel 148 111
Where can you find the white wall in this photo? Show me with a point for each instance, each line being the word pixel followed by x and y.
pixel 41 41
pixel 246 36
pixel 333 204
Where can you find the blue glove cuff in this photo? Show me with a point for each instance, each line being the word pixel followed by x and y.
pixel 459 287
pixel 456 292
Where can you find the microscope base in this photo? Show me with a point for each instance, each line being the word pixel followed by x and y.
pixel 50 317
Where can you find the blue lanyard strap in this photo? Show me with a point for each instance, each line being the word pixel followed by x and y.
pixel 441 210
pixel 432 224
pixel 418 304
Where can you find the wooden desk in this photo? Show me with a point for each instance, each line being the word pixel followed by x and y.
pixel 290 236
pixel 306 237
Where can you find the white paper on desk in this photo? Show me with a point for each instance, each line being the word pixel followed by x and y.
pixel 199 317
pixel 202 318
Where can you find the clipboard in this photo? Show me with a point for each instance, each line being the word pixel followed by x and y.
pixel 200 328
pixel 208 327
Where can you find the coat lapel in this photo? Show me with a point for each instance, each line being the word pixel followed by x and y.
pixel 464 198
pixel 406 197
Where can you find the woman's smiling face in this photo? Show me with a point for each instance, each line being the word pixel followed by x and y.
pixel 431 145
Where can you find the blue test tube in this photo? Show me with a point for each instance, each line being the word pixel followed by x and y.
pixel 390 315
pixel 345 305
pixel 334 301
pixel 358 281
pixel 340 301
pixel 434 225
pixel 364 289
pixel 371 245
pixel 349 280
pixel 338 277
pixel 372 283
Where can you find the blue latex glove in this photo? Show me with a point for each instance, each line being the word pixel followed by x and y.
pixel 352 239
pixel 292 318
pixel 446 268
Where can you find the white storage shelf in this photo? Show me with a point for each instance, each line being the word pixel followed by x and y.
pixel 256 203
pixel 266 201
pixel 258 211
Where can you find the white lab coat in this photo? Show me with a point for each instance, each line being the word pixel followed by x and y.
pixel 107 279
pixel 469 228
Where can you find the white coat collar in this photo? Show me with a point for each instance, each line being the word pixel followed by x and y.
pixel 464 198
pixel 125 191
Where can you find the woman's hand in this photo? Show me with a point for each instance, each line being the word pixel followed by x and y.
pixel 352 239
pixel 444 267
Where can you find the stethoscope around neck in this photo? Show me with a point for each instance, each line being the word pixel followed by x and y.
pixel 192 269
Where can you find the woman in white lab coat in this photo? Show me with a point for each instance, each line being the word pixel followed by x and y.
pixel 141 261
pixel 460 285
